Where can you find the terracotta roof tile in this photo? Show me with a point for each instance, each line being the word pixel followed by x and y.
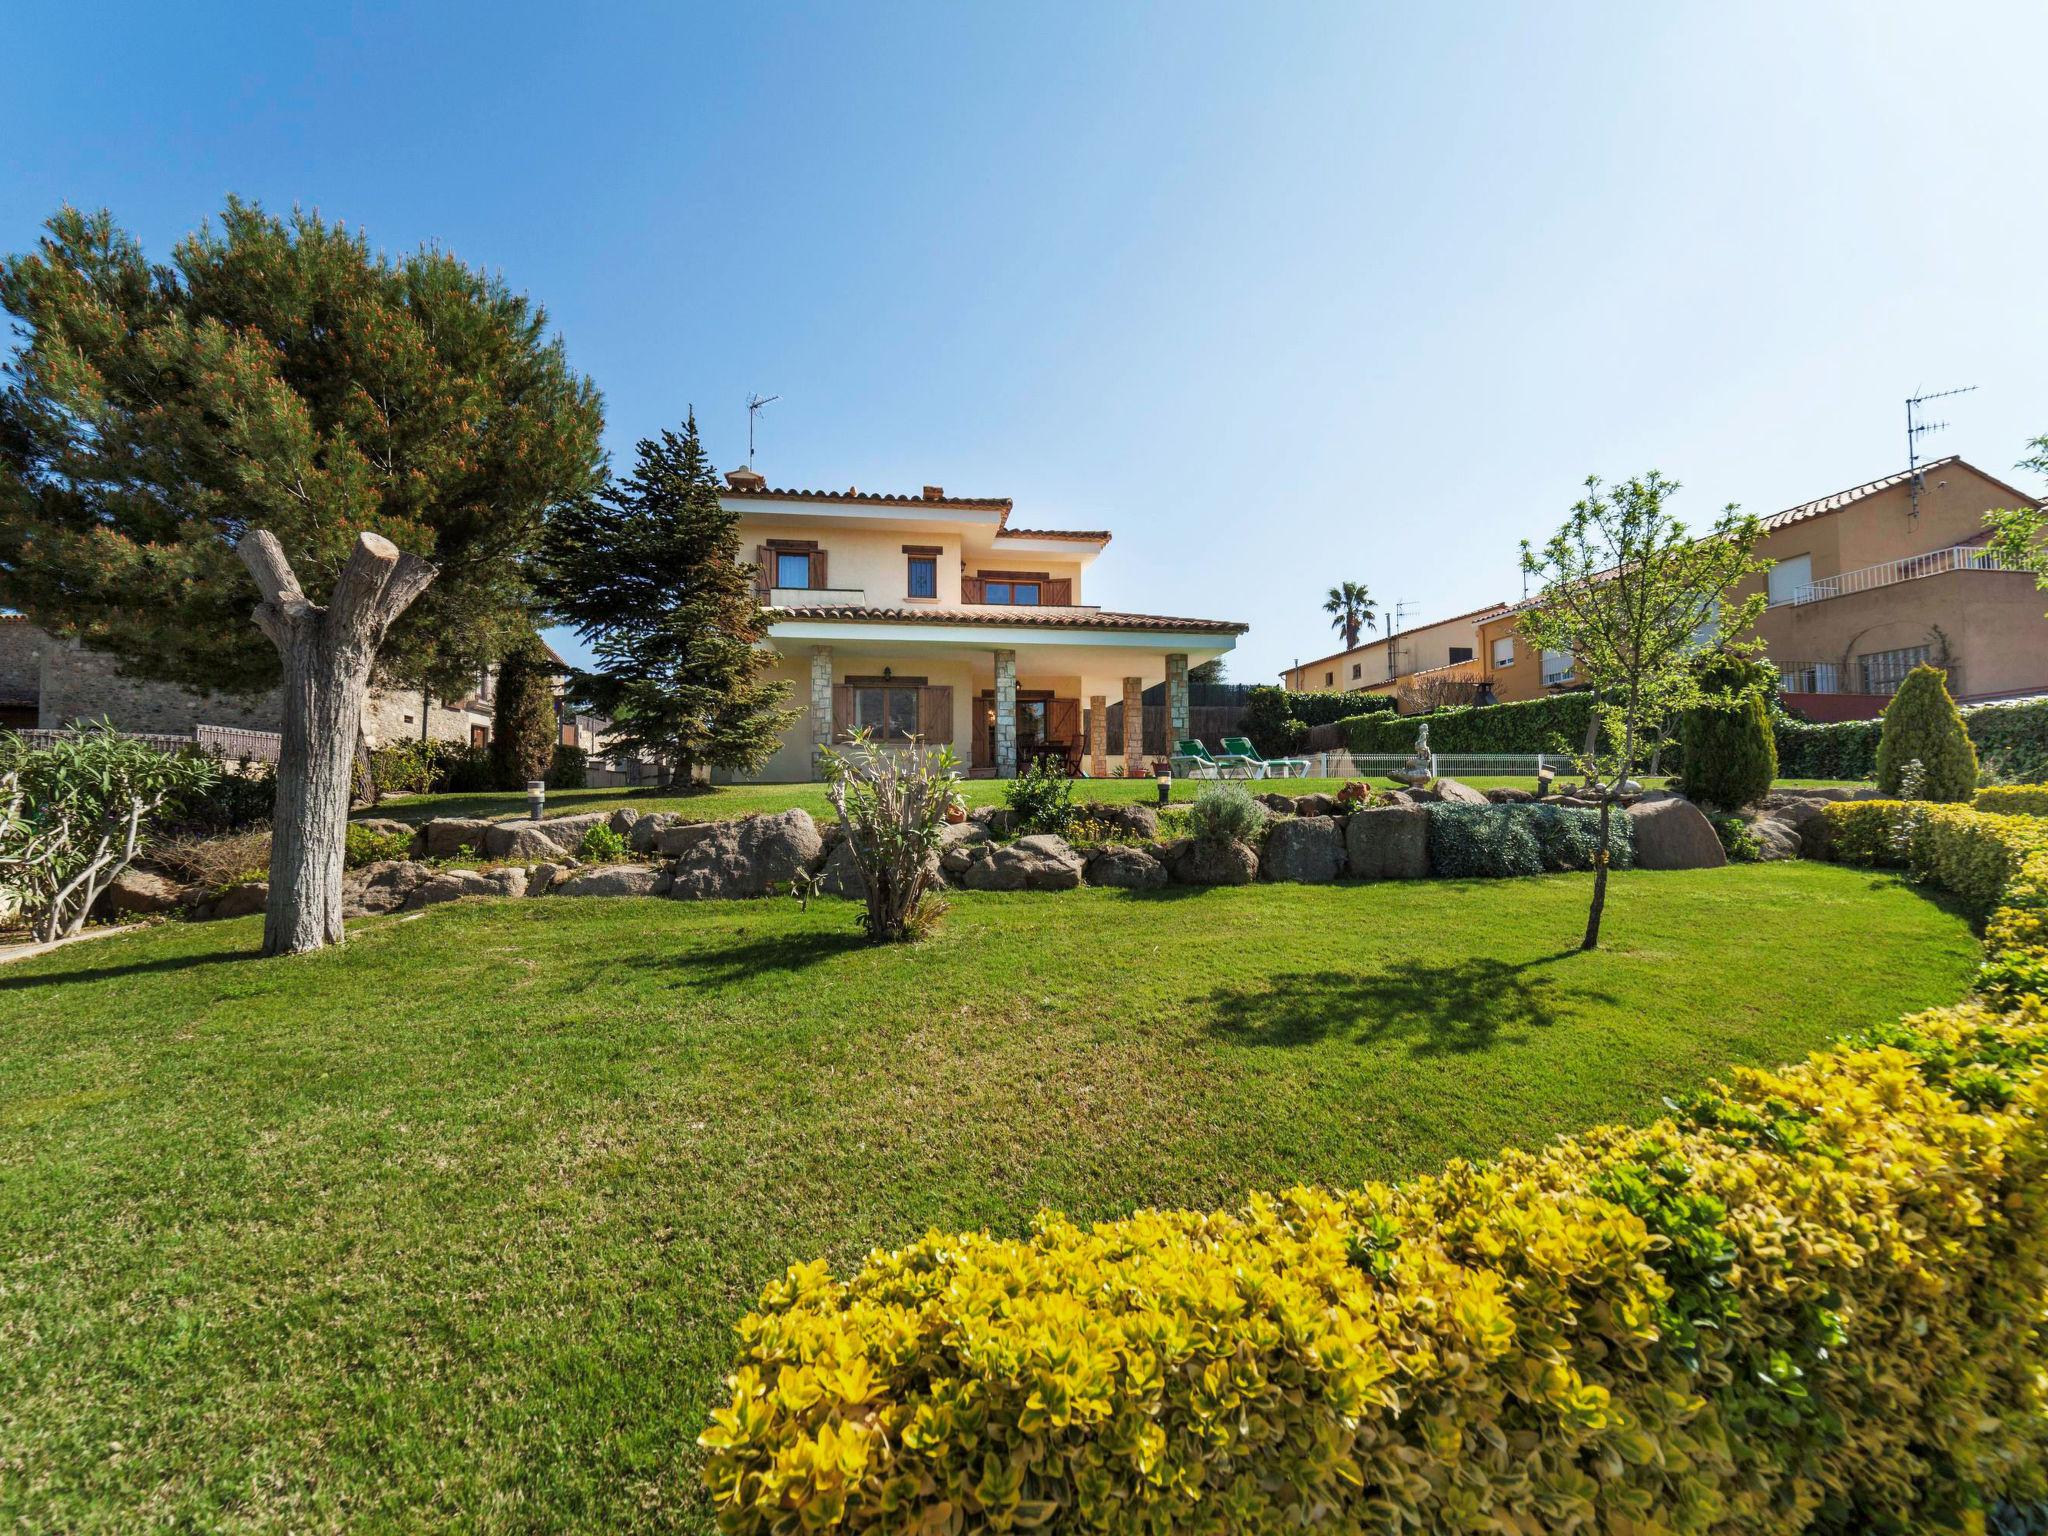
pixel 1086 536
pixel 1021 616
pixel 871 498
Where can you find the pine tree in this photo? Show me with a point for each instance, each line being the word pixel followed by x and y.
pixel 1923 725
pixel 649 574
pixel 523 723
pixel 390 433
pixel 1729 755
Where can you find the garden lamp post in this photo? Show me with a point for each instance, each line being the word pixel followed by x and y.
pixel 1165 787
pixel 536 798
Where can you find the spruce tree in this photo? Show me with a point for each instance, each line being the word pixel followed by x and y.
pixel 523 723
pixel 649 574
pixel 1728 753
pixel 1923 725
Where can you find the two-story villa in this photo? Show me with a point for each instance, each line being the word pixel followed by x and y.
pixel 929 616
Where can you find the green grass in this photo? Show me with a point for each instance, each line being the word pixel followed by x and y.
pixel 447 1229
pixel 728 800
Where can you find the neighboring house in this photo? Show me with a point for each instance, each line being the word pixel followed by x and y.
pixel 1868 584
pixel 1379 666
pixel 52 684
pixel 929 616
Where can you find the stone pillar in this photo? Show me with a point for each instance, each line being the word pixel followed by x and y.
pixel 1176 697
pixel 1134 727
pixel 821 700
pixel 1098 735
pixel 1006 714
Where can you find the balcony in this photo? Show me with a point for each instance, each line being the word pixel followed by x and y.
pixel 812 597
pixel 1958 557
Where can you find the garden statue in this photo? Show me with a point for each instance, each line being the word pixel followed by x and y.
pixel 1418 769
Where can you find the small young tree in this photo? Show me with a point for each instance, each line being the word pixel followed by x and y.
pixel 1923 726
pixel 524 728
pixel 73 816
pixel 2019 535
pixel 1728 755
pixel 275 374
pixel 1351 608
pixel 1632 597
pixel 650 574
pixel 892 806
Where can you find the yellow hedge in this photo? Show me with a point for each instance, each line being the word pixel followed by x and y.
pixel 1815 1299
pixel 2014 799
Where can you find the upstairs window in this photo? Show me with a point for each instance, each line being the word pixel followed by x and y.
pixel 1504 651
pixel 1012 593
pixel 1357 671
pixel 924 576
pixel 1790 581
pixel 1557 668
pixel 793 570
pixel 1460 653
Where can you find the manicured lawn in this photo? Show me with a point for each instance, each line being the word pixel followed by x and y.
pixel 743 799
pixel 447 1230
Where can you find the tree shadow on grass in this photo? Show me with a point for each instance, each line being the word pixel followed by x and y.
pixel 1441 1007
pixel 720 966
pixel 114 972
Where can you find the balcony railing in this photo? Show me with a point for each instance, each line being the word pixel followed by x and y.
pixel 808 597
pixel 1958 557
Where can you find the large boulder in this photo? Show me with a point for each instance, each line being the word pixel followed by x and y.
pixel 621 821
pixel 446 836
pixel 241 900
pixel 959 842
pixel 455 884
pixel 1452 792
pixel 383 826
pixel 1305 849
pixel 1278 804
pixel 996 820
pixel 644 836
pixel 1508 794
pixel 1038 863
pixel 526 841
pixel 724 859
pixel 612 880
pixel 1125 867
pixel 1777 837
pixel 542 877
pixel 1212 861
pixel 139 892
pixel 840 874
pixel 1130 818
pixel 1389 842
pixel 1318 805
pixel 1674 834
pixel 382 887
pixel 567 831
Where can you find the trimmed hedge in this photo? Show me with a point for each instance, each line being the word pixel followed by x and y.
pixel 1972 854
pixel 1276 719
pixel 1554 724
pixel 1492 842
pixel 1812 1300
pixel 2010 738
pixel 2014 799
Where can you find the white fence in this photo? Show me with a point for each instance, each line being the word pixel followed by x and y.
pixel 1957 557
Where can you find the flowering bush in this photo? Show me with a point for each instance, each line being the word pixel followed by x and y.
pixel 1225 813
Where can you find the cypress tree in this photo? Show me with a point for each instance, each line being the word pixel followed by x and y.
pixel 523 724
pixel 1728 752
pixel 649 574
pixel 1923 725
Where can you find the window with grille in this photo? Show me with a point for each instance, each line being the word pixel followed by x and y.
pixel 1821 677
pixel 1883 671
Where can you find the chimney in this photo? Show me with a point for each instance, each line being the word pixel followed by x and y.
pixel 935 493
pixel 745 479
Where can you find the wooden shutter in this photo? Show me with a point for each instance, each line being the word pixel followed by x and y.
pixel 818 582
pixel 1057 594
pixel 973 590
pixel 935 715
pixel 1063 720
pixel 984 715
pixel 842 712
pixel 764 571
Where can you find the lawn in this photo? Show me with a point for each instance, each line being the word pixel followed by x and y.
pixel 726 800
pixel 447 1229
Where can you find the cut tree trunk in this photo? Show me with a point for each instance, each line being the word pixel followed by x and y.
pixel 328 654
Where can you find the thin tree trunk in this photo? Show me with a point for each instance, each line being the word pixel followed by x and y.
pixel 366 765
pixel 328 654
pixel 1592 938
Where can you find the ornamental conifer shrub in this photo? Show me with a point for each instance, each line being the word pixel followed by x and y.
pixel 1923 725
pixel 1727 753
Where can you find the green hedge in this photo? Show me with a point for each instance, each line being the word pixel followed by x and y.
pixel 2011 739
pixel 2013 799
pixel 1491 842
pixel 1554 724
pixel 1276 719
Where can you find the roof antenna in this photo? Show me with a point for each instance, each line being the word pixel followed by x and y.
pixel 1914 427
pixel 754 404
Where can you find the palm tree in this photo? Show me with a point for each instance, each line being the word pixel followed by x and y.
pixel 1352 608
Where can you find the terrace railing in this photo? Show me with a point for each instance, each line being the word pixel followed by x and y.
pixel 1936 562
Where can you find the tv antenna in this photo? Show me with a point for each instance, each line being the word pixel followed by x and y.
pixel 1914 428
pixel 754 404
pixel 1402 608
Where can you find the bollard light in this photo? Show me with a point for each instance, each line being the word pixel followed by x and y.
pixel 536 798
pixel 1165 788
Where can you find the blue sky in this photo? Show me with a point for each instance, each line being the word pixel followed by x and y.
pixel 1280 294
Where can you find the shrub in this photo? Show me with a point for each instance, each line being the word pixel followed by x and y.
pixel 1277 719
pixel 230 800
pixel 1922 725
pixel 213 861
pixel 1727 755
pixel 1224 813
pixel 1041 799
pixel 892 808
pixel 2013 736
pixel 1970 853
pixel 1494 842
pixel 601 845
pixel 1808 1301
pixel 432 768
pixel 1738 839
pixel 570 769
pixel 366 845
pixel 524 727
pixel 2013 799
